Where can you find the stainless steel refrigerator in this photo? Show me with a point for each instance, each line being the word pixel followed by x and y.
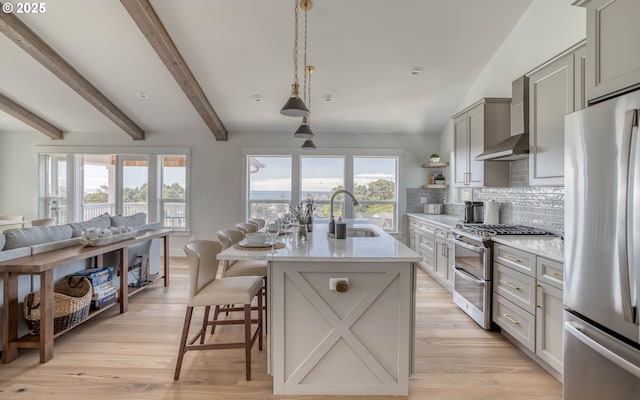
pixel 602 251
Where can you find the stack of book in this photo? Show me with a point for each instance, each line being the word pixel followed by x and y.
pixel 104 291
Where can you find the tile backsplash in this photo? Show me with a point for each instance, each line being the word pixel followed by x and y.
pixel 532 205
pixel 519 204
pixel 431 196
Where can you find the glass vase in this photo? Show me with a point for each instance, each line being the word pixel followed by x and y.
pixel 302 232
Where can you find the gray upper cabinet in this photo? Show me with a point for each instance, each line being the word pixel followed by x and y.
pixel 553 93
pixel 613 59
pixel 476 128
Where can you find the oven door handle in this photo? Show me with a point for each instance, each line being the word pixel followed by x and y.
pixel 468 246
pixel 468 277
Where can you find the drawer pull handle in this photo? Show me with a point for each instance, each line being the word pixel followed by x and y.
pixel 511 285
pixel 512 258
pixel 513 321
pixel 557 275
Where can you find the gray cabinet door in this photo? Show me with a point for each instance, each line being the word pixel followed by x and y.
pixel 461 149
pixel 475 120
pixel 549 325
pixel 551 96
pixel 613 59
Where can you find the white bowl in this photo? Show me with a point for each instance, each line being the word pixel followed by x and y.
pixel 255 238
pixel 434 159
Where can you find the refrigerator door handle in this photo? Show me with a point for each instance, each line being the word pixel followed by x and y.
pixel 580 333
pixel 630 120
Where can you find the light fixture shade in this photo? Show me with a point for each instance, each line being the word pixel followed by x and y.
pixel 295 107
pixel 308 145
pixel 304 130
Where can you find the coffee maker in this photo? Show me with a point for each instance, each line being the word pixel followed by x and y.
pixel 473 212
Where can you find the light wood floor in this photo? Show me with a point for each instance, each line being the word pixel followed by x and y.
pixel 133 355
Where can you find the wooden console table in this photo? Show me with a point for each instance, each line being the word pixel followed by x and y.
pixel 43 265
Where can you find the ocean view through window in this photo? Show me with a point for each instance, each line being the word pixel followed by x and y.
pixel 276 182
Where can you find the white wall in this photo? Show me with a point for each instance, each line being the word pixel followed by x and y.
pixel 216 168
pixel 547 28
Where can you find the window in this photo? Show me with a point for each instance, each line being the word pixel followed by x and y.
pixel 81 184
pixel 54 202
pixel 321 176
pixel 134 190
pixel 98 185
pixel 374 180
pixel 174 183
pixel 269 186
pixel 275 182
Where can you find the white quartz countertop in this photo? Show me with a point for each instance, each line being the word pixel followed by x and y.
pixel 319 247
pixel 548 247
pixel 445 220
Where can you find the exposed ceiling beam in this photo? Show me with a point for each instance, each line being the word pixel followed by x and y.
pixel 19 112
pixel 30 42
pixel 149 23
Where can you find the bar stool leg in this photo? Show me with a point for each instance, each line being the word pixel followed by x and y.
pixel 247 340
pixel 183 342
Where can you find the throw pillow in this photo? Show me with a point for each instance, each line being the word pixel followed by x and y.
pixel 103 221
pixel 2 240
pixel 130 220
pixel 24 237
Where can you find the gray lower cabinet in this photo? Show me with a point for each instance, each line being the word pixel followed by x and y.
pixel 527 303
pixel 433 243
pixel 553 93
pixel 444 257
pixel 476 128
pixel 549 325
pixel 613 59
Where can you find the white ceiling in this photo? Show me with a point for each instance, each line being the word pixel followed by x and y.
pixel 363 51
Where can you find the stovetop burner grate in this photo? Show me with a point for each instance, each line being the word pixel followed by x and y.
pixel 504 229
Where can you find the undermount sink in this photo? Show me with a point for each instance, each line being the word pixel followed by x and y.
pixel 361 232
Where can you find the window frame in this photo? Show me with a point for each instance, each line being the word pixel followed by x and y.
pixel 348 153
pixel 74 177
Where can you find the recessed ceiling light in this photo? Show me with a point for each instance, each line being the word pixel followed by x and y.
pixel 143 95
pixel 327 98
pixel 416 71
pixel 257 98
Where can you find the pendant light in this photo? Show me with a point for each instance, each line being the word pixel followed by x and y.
pixel 295 107
pixel 308 145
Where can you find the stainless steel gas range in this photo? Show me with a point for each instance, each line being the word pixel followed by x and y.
pixel 472 266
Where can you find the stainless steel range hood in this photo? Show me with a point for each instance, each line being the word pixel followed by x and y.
pixel 515 147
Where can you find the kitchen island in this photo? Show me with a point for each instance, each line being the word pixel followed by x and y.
pixel 357 340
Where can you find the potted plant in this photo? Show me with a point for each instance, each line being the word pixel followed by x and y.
pixel 435 157
pixel 439 179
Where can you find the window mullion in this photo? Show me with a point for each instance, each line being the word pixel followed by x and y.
pixel 349 211
pixel 296 181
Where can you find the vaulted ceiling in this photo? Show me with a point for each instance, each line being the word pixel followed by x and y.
pixel 363 51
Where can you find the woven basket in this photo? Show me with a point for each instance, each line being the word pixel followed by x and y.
pixel 71 302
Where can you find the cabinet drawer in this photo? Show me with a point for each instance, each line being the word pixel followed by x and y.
pixel 414 223
pixel 426 227
pixel 427 262
pixel 515 321
pixel 441 232
pixel 514 258
pixel 427 242
pixel 515 286
pixel 549 271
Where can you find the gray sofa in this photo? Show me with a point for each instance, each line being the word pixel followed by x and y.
pixel 16 243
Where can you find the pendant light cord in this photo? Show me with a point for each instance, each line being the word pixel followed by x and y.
pixel 295 42
pixel 307 75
